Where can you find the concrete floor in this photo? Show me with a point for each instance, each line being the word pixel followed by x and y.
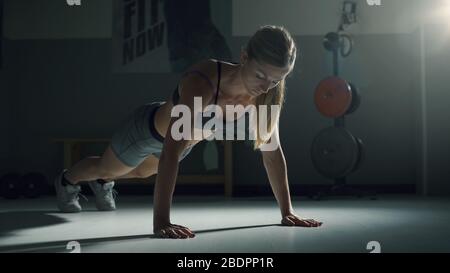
pixel 397 223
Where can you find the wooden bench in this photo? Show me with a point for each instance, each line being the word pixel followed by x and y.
pixel 72 154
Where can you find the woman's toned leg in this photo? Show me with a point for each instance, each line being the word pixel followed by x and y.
pixel 91 168
pixel 146 169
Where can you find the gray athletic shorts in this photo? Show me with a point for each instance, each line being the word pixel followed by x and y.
pixel 137 137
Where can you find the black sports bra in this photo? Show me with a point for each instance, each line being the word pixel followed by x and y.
pixel 176 98
pixel 176 95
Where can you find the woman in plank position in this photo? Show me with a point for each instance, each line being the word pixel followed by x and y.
pixel 145 144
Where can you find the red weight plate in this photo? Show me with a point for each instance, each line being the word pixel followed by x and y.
pixel 333 97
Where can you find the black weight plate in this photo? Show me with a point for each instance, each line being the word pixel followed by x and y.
pixel 331 41
pixel 33 184
pixel 10 185
pixel 361 154
pixel 356 99
pixel 334 152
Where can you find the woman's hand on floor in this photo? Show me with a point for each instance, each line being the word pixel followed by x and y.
pixel 173 231
pixel 294 220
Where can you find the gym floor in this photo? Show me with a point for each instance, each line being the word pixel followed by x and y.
pixel 399 223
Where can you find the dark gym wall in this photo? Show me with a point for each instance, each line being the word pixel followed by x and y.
pixel 55 19
pixel 5 117
pixel 65 88
pixel 437 67
pixel 5 102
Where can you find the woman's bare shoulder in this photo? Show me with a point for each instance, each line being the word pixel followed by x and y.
pixel 202 73
pixel 206 66
pixel 199 80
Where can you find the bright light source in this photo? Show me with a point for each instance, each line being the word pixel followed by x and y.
pixel 437 12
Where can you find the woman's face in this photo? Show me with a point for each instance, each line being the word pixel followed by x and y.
pixel 259 78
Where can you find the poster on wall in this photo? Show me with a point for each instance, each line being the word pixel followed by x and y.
pixel 139 37
pixel 160 36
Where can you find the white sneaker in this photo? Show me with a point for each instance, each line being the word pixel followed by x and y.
pixel 67 196
pixel 104 195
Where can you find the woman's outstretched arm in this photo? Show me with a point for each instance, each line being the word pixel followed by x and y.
pixel 276 168
pixel 192 87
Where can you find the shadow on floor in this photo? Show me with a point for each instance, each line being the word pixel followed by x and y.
pixel 58 246
pixel 11 221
